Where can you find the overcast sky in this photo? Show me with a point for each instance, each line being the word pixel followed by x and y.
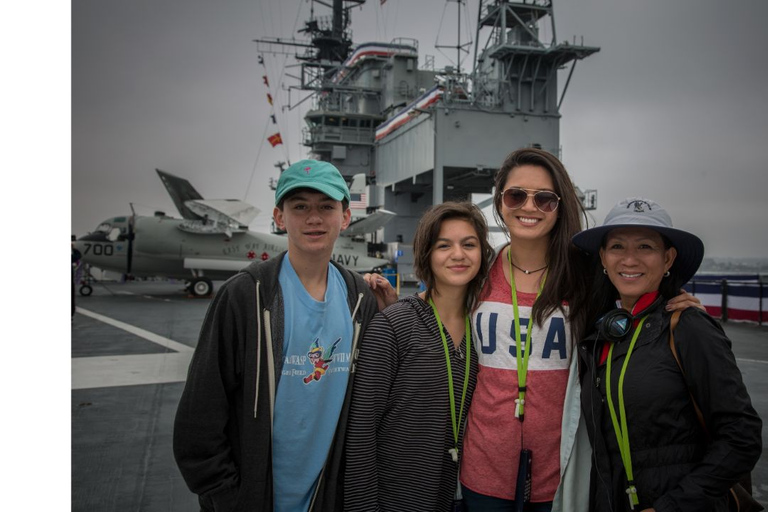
pixel 673 107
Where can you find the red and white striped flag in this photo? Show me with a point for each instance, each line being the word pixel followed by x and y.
pixel 358 201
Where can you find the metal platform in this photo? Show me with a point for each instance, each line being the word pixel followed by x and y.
pixel 131 345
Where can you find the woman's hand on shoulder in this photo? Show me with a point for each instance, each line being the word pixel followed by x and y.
pixel 683 301
pixel 382 289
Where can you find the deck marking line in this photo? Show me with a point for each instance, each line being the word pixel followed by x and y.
pixel 740 360
pixel 133 370
pixel 155 338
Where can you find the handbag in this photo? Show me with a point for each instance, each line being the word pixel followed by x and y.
pixel 740 497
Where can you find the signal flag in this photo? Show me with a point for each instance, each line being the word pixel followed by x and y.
pixel 275 139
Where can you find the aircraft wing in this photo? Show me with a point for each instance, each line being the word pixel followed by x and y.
pixel 220 264
pixel 224 210
pixel 369 224
pixel 180 191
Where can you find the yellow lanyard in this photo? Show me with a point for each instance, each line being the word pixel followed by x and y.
pixel 522 362
pixel 455 421
pixel 621 430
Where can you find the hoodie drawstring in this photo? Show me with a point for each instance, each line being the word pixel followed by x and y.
pixel 270 364
pixel 258 347
pixel 355 334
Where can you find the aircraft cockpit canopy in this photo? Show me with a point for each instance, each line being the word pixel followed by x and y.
pixel 109 230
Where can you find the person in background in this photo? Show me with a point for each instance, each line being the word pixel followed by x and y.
pixel 651 452
pixel 76 256
pixel 263 416
pixel 416 374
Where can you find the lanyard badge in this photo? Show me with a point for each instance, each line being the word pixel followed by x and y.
pixel 524 480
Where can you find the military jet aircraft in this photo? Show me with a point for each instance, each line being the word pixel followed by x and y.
pixel 211 240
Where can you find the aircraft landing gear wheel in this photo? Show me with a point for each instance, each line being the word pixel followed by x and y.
pixel 201 287
pixel 86 290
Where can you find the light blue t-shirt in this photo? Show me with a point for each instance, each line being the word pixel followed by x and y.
pixel 316 351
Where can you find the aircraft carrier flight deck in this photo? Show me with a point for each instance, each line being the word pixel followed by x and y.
pixel 131 346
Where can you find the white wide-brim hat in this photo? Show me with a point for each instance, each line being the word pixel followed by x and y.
pixel 636 212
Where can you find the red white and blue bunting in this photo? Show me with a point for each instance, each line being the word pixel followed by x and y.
pixel 409 112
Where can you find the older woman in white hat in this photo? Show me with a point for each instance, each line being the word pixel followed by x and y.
pixel 651 452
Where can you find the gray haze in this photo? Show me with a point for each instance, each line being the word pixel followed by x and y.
pixel 673 107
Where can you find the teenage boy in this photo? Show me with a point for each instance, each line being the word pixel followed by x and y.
pixel 262 419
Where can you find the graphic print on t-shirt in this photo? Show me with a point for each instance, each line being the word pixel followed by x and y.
pixel 319 359
pixel 494 325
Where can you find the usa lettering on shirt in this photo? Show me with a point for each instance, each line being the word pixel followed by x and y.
pixel 494 325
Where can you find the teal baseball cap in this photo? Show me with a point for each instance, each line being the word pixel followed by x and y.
pixel 315 174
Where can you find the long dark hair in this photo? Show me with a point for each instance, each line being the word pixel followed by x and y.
pixel 426 235
pixel 567 275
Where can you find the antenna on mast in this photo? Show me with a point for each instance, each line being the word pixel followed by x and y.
pixel 459 47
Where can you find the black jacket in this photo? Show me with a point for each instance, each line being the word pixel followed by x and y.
pixel 222 437
pixel 675 467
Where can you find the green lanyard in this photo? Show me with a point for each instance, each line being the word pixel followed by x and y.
pixel 522 365
pixel 454 419
pixel 622 433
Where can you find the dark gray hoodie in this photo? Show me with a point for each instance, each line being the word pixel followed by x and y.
pixel 222 436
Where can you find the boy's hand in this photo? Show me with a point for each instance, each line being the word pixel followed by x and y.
pixel 382 290
pixel 684 300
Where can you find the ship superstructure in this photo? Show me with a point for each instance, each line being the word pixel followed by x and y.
pixel 420 135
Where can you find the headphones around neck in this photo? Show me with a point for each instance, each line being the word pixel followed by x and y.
pixel 616 324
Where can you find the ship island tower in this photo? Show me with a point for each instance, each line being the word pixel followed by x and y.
pixel 422 136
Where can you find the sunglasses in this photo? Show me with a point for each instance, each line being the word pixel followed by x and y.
pixel 545 201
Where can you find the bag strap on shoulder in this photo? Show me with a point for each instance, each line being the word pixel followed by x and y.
pixel 673 321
